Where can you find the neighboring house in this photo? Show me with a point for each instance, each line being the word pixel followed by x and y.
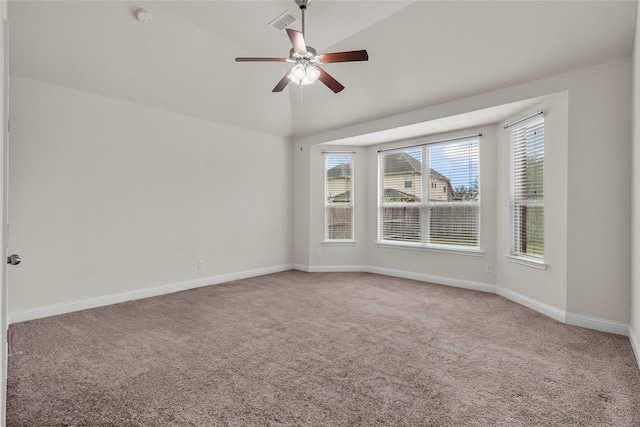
pixel 339 183
pixel 403 180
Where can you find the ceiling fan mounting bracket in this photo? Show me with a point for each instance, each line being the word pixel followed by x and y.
pixel 302 4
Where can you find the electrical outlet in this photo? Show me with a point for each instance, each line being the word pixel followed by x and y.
pixel 488 268
pixel 200 264
pixel 318 253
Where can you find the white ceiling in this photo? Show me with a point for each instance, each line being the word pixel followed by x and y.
pixel 422 53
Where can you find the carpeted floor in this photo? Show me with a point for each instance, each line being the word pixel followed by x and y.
pixel 318 349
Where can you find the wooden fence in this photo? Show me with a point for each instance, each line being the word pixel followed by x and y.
pixel 448 224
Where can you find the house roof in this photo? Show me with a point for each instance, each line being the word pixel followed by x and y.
pixel 437 175
pixel 392 193
pixel 401 163
pixel 341 170
pixel 343 197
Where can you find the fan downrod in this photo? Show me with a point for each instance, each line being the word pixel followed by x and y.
pixel 302 4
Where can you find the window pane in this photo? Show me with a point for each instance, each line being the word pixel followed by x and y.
pixel 401 223
pixel 455 224
pixel 396 167
pixel 527 208
pixel 338 179
pixel 338 196
pixel 529 238
pixel 445 211
pixel 408 181
pixel 454 171
pixel 338 222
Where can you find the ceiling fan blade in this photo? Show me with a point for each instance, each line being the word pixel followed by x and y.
pixel 329 81
pixel 297 40
pixel 282 83
pixel 261 59
pixel 354 55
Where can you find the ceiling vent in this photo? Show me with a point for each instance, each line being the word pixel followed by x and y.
pixel 281 22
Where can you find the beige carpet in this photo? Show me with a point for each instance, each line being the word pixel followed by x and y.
pixel 321 349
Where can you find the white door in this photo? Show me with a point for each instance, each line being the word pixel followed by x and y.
pixel 4 69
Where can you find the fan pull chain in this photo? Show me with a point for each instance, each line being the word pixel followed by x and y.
pixel 301 86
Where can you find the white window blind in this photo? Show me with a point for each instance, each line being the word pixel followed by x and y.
pixel 527 189
pixel 338 196
pixel 441 206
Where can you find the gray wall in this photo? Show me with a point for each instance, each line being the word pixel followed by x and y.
pixel 109 197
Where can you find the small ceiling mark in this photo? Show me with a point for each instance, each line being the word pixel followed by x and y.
pixel 143 15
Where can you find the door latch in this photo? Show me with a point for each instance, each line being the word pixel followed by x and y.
pixel 13 259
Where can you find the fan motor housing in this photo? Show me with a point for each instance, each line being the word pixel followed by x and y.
pixel 311 53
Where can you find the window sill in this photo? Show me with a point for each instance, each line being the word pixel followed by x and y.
pixel 338 243
pixel 438 249
pixel 529 262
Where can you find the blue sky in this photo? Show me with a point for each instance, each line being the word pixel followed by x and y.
pixel 457 161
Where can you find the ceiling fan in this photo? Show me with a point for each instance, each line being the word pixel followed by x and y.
pixel 307 61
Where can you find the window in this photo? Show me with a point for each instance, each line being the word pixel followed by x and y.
pixel 527 190
pixel 424 215
pixel 338 200
pixel 408 181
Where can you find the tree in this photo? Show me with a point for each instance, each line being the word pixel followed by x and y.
pixel 467 194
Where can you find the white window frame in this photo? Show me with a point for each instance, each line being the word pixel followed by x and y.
pixel 516 253
pixel 426 204
pixel 328 205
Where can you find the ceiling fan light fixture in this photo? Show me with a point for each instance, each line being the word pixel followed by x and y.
pixel 298 73
pixel 312 73
pixel 304 74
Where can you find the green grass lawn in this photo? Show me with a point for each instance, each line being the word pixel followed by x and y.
pixel 535 248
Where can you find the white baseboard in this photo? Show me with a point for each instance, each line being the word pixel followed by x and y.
pixel 634 345
pixel 540 307
pixel 555 313
pixel 300 267
pixel 68 307
pixel 458 283
pixel 597 324
pixel 337 268
pixel 588 322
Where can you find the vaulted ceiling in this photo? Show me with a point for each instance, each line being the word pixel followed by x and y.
pixel 422 53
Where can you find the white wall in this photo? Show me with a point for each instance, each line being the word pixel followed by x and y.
pixel 301 201
pixel 635 195
pixel 599 204
pixel 589 203
pixel 109 197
